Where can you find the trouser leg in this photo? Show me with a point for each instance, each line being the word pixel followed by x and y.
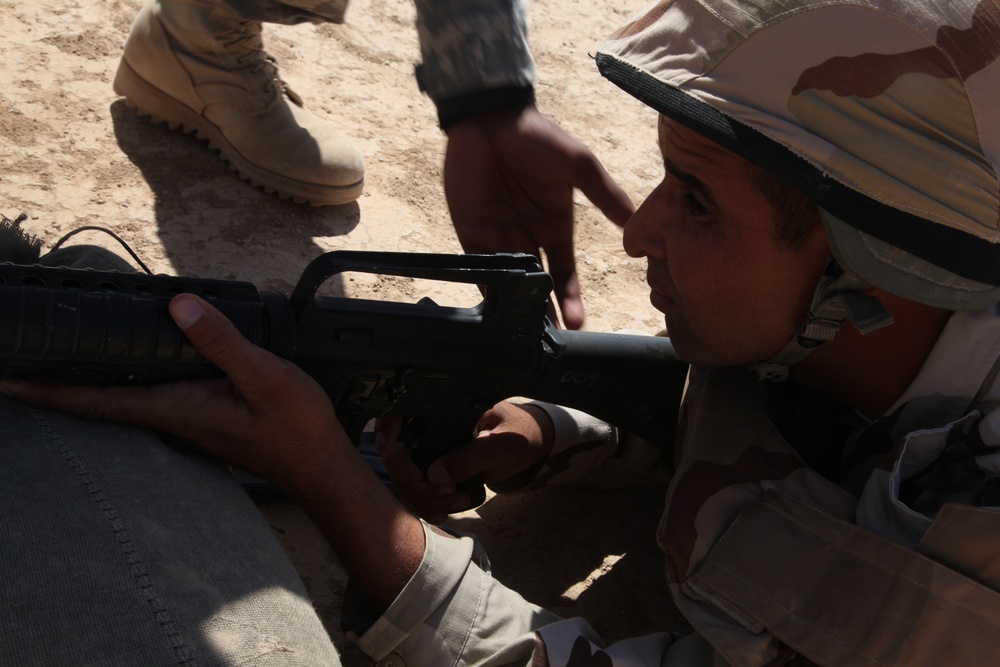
pixel 119 550
pixel 290 11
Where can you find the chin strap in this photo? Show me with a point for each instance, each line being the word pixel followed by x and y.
pixel 837 297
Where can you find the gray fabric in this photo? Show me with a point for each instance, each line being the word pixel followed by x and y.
pixel 289 12
pixel 467 46
pixel 119 550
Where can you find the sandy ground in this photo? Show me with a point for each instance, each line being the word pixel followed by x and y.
pixel 74 155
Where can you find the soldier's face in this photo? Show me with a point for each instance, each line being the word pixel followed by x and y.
pixel 731 295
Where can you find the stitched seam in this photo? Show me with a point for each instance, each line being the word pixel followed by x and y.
pixel 130 555
pixel 881 566
pixel 832 638
pixel 797 645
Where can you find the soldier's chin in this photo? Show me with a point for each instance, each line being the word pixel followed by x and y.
pixel 691 352
pixel 685 350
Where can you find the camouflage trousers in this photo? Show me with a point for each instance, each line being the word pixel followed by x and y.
pixel 290 12
pixel 466 46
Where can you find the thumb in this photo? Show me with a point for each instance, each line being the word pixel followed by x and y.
pixel 215 337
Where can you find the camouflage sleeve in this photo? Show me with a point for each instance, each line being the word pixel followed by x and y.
pixel 452 612
pixel 590 452
pixel 475 55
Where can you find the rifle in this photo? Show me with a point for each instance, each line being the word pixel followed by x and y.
pixel 441 367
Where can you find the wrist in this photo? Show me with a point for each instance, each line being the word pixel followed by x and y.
pixel 544 438
pixel 546 430
pixel 510 98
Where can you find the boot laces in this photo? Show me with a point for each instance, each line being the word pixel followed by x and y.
pixel 246 41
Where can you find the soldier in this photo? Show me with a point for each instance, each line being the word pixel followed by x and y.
pixel 200 66
pixel 824 249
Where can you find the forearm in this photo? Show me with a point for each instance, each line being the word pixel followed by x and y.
pixel 378 541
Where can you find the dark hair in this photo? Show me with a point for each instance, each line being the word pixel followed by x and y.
pixel 795 215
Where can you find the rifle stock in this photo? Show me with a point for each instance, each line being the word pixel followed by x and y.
pixel 441 367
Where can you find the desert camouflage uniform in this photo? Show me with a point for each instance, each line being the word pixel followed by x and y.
pixel 467 46
pixel 795 531
pixel 766 557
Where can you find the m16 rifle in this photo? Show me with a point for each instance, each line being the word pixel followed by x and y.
pixel 441 367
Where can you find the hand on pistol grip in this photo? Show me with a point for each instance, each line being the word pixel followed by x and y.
pixel 509 441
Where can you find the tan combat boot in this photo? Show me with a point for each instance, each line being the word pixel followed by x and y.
pixel 196 65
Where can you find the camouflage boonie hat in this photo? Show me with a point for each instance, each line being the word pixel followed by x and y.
pixel 884 112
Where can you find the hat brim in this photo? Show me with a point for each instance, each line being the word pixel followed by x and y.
pixel 899 272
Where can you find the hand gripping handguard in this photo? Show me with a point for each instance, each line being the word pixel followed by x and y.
pixel 441 367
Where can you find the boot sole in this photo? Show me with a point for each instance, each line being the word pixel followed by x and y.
pixel 142 96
